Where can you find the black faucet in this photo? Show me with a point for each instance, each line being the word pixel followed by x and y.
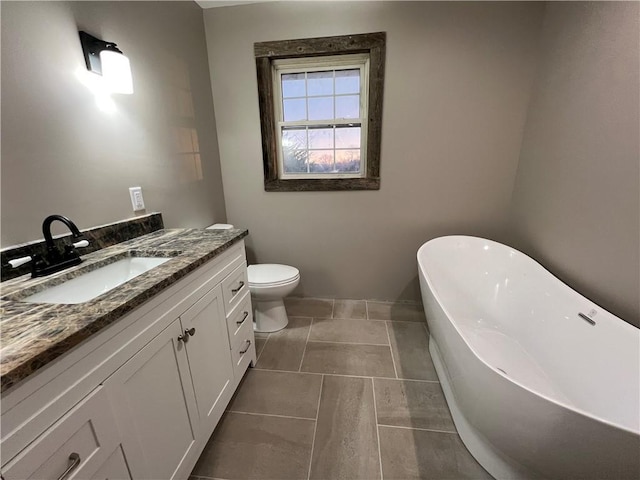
pixel 55 260
pixel 46 229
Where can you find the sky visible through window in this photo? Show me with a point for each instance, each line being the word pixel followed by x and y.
pixel 324 98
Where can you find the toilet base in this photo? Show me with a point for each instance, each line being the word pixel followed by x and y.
pixel 269 315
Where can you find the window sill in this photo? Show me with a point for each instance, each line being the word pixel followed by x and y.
pixel 322 184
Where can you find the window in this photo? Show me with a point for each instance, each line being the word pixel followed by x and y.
pixel 320 107
pixel 320 110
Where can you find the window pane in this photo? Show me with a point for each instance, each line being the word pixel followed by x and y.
pixel 348 160
pixel 294 138
pixel 321 138
pixel 294 110
pixel 293 85
pixel 320 108
pixel 294 161
pixel 320 83
pixel 347 137
pixel 348 106
pixel 347 81
pixel 321 161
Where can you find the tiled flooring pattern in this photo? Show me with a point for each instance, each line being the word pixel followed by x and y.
pixel 347 391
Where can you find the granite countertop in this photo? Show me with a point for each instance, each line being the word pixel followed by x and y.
pixel 34 334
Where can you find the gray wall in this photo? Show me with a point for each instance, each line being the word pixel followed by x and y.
pixel 456 90
pixel 62 154
pixel 576 202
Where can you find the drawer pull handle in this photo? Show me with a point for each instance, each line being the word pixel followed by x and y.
pixel 244 317
pixel 242 352
pixel 74 460
pixel 236 290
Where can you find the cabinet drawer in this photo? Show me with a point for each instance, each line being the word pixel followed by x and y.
pixel 80 441
pixel 238 318
pixel 234 287
pixel 243 350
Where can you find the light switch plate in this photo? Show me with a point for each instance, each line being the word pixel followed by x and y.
pixel 137 202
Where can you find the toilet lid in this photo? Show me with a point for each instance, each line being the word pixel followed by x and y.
pixel 271 274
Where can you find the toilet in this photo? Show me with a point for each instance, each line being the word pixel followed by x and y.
pixel 269 283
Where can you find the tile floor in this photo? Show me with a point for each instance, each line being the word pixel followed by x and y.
pixel 347 391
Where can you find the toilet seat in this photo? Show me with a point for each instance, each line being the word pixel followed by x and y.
pixel 271 275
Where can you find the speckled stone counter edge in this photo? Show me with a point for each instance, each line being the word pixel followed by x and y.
pixel 34 334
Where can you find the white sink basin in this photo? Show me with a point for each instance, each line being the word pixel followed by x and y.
pixel 93 284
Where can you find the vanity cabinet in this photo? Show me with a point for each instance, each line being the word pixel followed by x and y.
pixel 174 390
pixel 141 398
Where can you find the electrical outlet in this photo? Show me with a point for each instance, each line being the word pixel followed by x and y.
pixel 137 202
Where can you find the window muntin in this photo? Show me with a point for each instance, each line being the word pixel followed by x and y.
pixel 321 114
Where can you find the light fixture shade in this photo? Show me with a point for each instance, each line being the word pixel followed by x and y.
pixel 116 71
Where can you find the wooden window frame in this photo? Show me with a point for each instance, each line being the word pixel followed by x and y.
pixel 372 44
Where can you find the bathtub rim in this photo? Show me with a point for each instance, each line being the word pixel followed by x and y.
pixel 434 292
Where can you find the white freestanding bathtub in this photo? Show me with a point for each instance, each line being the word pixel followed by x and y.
pixel 535 389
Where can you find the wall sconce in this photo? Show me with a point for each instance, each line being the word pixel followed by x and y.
pixel 105 59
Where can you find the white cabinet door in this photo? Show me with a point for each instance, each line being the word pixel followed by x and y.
pixel 114 468
pixel 209 357
pixel 153 402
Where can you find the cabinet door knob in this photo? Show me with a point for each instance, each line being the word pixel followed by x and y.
pixel 244 317
pixel 236 290
pixel 246 349
pixel 74 461
pixel 190 331
pixel 183 338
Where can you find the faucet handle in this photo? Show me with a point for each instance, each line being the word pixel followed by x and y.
pixel 70 250
pixel 17 262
